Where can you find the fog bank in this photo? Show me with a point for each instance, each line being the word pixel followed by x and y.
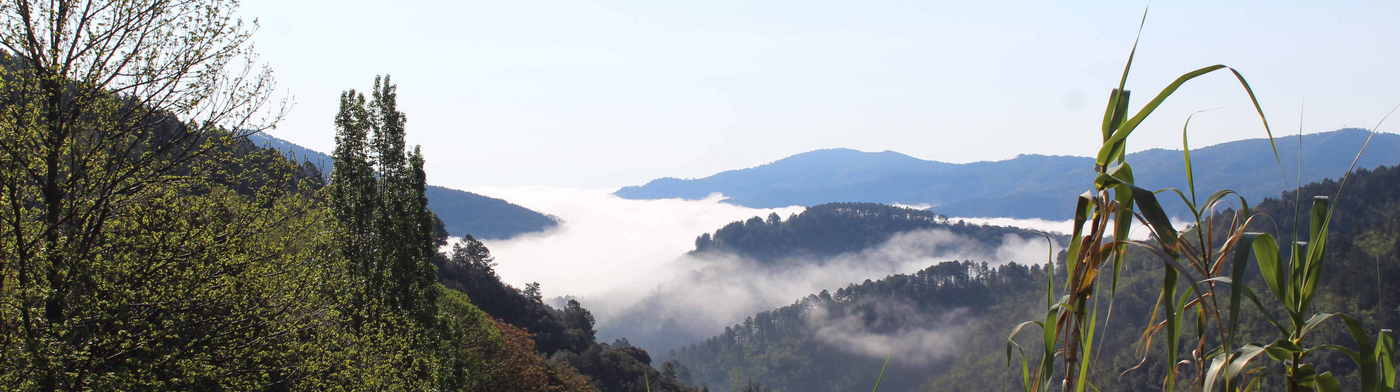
pixel 605 242
pixel 711 291
pixel 626 261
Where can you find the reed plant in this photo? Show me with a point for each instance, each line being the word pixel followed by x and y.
pixel 1204 270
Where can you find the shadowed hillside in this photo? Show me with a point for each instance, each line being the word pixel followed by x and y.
pixel 463 212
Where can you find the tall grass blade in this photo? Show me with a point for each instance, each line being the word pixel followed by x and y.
pixel 1123 81
pixel 1129 125
pixel 1372 373
pixel 1186 158
pixel 1173 330
pixel 1156 218
pixel 882 373
pixel 1237 283
pixel 1086 348
pixel 1321 218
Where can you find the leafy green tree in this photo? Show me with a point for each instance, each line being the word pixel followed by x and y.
pixel 579 320
pixel 377 192
pixel 141 247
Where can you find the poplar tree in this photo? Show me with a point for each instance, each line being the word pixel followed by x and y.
pixel 378 194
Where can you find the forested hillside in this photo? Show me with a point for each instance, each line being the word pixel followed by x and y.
pixel 1028 186
pixel 965 311
pixel 147 244
pixel 464 213
pixel 831 229
pixel 838 341
pixel 566 336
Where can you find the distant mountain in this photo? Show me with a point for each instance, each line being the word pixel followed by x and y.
pixel 1028 186
pixel 461 212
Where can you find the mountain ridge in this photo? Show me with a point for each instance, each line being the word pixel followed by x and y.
pixel 1027 186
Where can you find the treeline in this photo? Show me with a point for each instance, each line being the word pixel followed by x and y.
pixel 836 228
pixel 783 349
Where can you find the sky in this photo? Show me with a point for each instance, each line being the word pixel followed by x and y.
pixel 599 94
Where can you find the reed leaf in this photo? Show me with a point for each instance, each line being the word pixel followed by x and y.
pixel 1266 257
pixel 1121 133
pixel 882 373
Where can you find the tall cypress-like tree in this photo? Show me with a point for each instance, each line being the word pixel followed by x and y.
pixel 422 277
pixel 353 195
pixel 377 191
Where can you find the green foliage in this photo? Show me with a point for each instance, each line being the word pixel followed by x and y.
pixel 1197 265
pixel 137 252
pixel 377 193
pixel 145 246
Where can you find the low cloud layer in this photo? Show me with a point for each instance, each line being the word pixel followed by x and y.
pixel 915 338
pixel 606 243
pixel 709 292
pixel 1138 232
pixel 626 261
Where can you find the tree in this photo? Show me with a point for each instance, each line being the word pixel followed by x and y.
pixel 121 123
pixel 533 291
pixel 579 320
pixel 378 194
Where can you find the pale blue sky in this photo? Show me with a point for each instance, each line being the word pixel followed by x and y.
pixel 610 93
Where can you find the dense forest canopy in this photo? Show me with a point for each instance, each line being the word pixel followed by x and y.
pixel 836 228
